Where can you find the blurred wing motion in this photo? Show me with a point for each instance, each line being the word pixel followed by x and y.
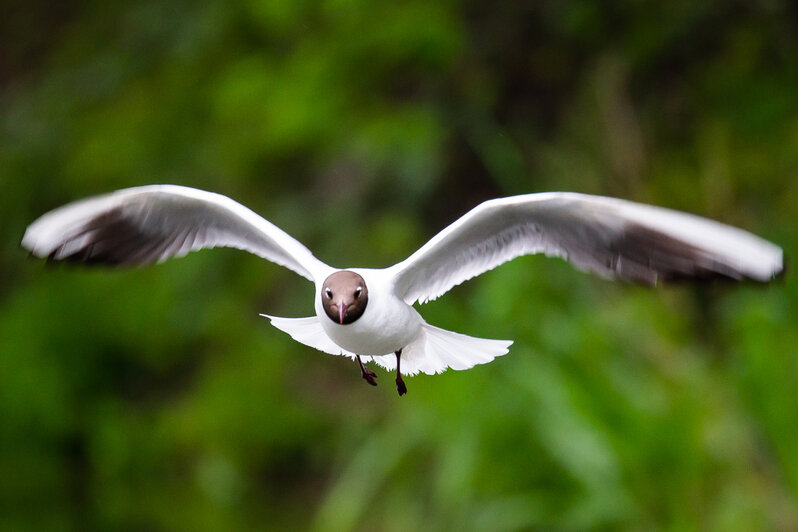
pixel 154 223
pixel 611 237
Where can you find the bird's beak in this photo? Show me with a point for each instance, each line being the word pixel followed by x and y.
pixel 341 312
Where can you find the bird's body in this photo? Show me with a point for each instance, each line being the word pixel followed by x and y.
pixel 368 313
pixel 387 325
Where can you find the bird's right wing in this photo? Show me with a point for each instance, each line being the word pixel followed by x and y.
pixel 149 224
pixel 611 237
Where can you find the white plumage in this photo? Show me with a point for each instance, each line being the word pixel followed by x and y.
pixel 611 237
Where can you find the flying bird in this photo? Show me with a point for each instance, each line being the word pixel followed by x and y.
pixel 368 314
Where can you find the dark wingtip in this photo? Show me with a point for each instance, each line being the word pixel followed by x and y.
pixel 706 278
pixel 31 255
pixel 50 260
pixel 113 242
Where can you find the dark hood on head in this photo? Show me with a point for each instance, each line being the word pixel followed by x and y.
pixel 344 296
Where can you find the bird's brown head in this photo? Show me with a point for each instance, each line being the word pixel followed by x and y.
pixel 344 297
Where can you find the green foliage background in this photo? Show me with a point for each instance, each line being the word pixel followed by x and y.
pixel 157 399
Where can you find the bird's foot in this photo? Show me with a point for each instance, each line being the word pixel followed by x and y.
pixel 400 386
pixel 366 373
pixel 369 376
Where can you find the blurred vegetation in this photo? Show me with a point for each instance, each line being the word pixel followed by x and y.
pixel 157 399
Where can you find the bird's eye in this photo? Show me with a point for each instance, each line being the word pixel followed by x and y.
pixel 328 292
pixel 357 291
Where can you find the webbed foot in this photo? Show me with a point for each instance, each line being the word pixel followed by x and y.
pixel 400 383
pixel 400 386
pixel 368 375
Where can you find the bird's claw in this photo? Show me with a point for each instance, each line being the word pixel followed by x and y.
pixel 369 377
pixel 366 373
pixel 400 386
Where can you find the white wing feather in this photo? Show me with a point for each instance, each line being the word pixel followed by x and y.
pixel 607 236
pixel 154 223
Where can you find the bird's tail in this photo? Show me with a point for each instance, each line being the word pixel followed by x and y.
pixel 308 331
pixel 437 349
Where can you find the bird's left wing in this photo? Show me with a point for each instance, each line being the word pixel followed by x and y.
pixel 611 237
pixel 153 223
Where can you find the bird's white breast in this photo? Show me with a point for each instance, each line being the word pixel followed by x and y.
pixel 387 325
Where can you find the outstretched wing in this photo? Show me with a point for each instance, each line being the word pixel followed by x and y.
pixel 149 224
pixel 611 237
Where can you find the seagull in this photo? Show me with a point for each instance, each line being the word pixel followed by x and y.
pixel 367 314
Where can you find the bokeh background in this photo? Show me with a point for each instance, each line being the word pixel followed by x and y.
pixel 157 399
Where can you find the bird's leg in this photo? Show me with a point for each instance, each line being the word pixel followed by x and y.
pixel 367 374
pixel 400 383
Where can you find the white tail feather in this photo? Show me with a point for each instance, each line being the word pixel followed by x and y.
pixel 437 350
pixel 308 331
pixel 434 351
